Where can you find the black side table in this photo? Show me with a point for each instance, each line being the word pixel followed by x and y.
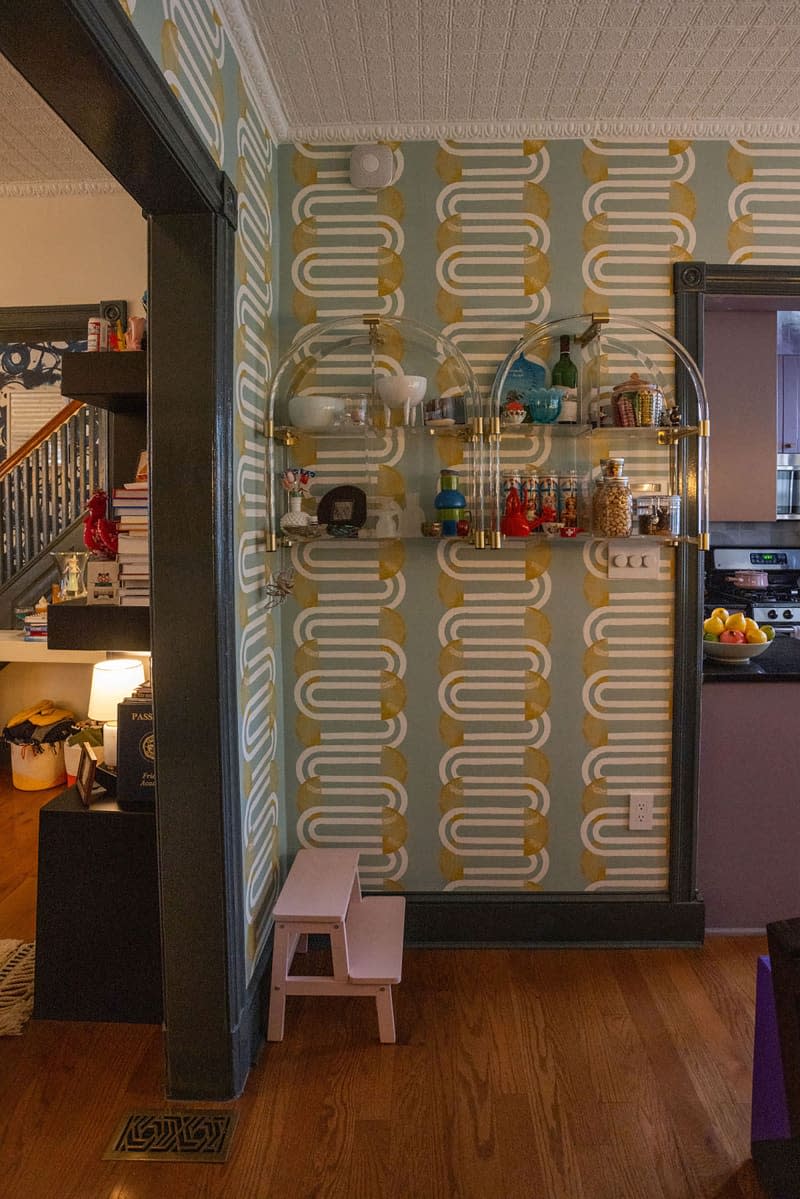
pixel 98 940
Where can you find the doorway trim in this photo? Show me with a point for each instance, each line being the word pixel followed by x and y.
pixel 87 62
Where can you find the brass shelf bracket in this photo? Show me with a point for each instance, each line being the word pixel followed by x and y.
pixel 595 329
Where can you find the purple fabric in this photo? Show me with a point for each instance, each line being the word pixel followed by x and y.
pixel 769 1119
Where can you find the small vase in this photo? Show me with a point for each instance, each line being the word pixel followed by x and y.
pixel 449 502
pixel 298 524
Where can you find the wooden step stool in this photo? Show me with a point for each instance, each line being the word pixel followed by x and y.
pixel 322 894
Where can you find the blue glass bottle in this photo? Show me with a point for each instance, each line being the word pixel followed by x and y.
pixel 449 502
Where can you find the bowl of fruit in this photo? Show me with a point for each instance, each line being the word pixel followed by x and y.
pixel 734 637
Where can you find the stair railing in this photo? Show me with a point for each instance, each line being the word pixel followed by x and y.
pixel 46 485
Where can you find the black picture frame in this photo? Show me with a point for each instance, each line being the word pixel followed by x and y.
pixel 84 778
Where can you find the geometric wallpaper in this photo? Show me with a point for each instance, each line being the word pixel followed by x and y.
pixel 522 697
pixel 470 720
pixel 192 47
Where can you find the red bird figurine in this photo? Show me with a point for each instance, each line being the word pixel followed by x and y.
pixel 99 533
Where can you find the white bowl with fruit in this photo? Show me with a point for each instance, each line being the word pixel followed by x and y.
pixel 734 637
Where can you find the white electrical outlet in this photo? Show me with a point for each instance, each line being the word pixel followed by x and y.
pixel 640 810
pixel 629 561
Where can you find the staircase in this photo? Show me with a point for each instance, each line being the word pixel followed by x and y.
pixel 44 490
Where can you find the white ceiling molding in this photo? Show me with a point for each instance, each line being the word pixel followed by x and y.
pixel 60 187
pixel 252 61
pixel 514 131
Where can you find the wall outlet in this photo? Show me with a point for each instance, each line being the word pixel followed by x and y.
pixel 640 810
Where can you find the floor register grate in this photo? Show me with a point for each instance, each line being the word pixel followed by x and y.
pixel 197 1136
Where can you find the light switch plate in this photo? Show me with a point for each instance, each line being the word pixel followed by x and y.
pixel 629 560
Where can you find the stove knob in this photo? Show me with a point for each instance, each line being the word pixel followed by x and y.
pixel 772 614
pixel 788 614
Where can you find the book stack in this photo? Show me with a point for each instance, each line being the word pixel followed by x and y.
pixel 131 504
pixel 35 625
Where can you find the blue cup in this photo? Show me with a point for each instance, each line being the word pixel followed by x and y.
pixel 544 404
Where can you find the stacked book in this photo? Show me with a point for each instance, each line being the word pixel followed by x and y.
pixel 131 504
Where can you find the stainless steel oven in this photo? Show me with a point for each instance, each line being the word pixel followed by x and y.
pixel 777 603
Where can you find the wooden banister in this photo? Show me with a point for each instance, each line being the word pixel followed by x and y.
pixel 33 443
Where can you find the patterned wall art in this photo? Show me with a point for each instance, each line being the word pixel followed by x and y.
pixel 30 388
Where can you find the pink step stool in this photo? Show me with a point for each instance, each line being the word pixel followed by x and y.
pixel 322 894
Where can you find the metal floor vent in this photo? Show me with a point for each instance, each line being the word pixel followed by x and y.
pixel 198 1136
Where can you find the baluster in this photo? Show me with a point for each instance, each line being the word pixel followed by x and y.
pixel 6 560
pixel 36 500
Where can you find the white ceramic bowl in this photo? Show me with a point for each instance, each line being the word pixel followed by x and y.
pixel 724 651
pixel 401 391
pixel 315 412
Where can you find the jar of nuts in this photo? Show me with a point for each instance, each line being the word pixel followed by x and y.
pixel 612 508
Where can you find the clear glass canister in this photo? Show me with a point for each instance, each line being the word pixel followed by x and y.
pixel 612 508
pixel 668 515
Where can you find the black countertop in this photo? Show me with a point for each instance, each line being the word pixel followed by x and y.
pixel 780 663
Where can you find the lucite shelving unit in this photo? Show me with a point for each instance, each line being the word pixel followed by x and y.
pixel 350 355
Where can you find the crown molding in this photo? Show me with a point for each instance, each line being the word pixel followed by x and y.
pixel 60 187
pixel 504 131
pixel 252 62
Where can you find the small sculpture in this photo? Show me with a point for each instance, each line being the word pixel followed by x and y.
pixel 99 533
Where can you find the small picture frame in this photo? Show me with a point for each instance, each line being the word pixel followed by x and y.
pixel 84 779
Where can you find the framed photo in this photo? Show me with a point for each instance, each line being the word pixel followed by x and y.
pixel 84 779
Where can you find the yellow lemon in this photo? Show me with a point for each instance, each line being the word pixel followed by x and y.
pixel 755 637
pixel 750 625
pixel 735 622
pixel 714 624
pixel 722 613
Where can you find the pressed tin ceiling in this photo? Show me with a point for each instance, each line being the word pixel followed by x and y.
pixel 39 155
pixel 357 70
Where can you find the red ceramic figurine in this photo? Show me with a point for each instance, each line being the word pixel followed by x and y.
pixel 513 523
pixel 99 533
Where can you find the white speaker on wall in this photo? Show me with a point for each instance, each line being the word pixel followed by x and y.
pixel 372 166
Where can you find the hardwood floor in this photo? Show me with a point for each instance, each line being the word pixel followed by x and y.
pixel 518 1074
pixel 557 1074
pixel 19 830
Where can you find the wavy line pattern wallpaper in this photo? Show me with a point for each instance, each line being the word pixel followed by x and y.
pixel 532 695
pixel 469 720
pixel 188 40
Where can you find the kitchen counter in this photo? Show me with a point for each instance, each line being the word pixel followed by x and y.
pixel 780 663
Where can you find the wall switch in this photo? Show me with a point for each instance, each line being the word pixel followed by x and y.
pixel 626 560
pixel 640 810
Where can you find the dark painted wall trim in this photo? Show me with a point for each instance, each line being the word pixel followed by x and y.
pixel 87 61
pixel 564 919
pixel 692 281
pixel 193 646
pixel 118 102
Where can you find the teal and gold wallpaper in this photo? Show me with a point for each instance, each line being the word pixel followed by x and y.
pixel 187 39
pixel 469 720
pixel 477 720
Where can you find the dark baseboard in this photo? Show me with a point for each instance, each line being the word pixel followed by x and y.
pixel 777 1165
pixel 534 920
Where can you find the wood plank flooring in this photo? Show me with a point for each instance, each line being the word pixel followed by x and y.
pixel 518 1074
pixel 19 831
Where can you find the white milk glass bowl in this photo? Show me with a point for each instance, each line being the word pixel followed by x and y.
pixel 404 392
pixel 315 412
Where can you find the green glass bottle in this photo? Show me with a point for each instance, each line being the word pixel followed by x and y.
pixel 565 372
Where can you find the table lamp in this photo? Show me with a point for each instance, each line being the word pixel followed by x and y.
pixel 112 681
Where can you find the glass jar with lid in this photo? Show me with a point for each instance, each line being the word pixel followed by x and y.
pixel 612 507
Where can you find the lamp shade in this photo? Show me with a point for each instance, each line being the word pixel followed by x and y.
pixel 112 681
